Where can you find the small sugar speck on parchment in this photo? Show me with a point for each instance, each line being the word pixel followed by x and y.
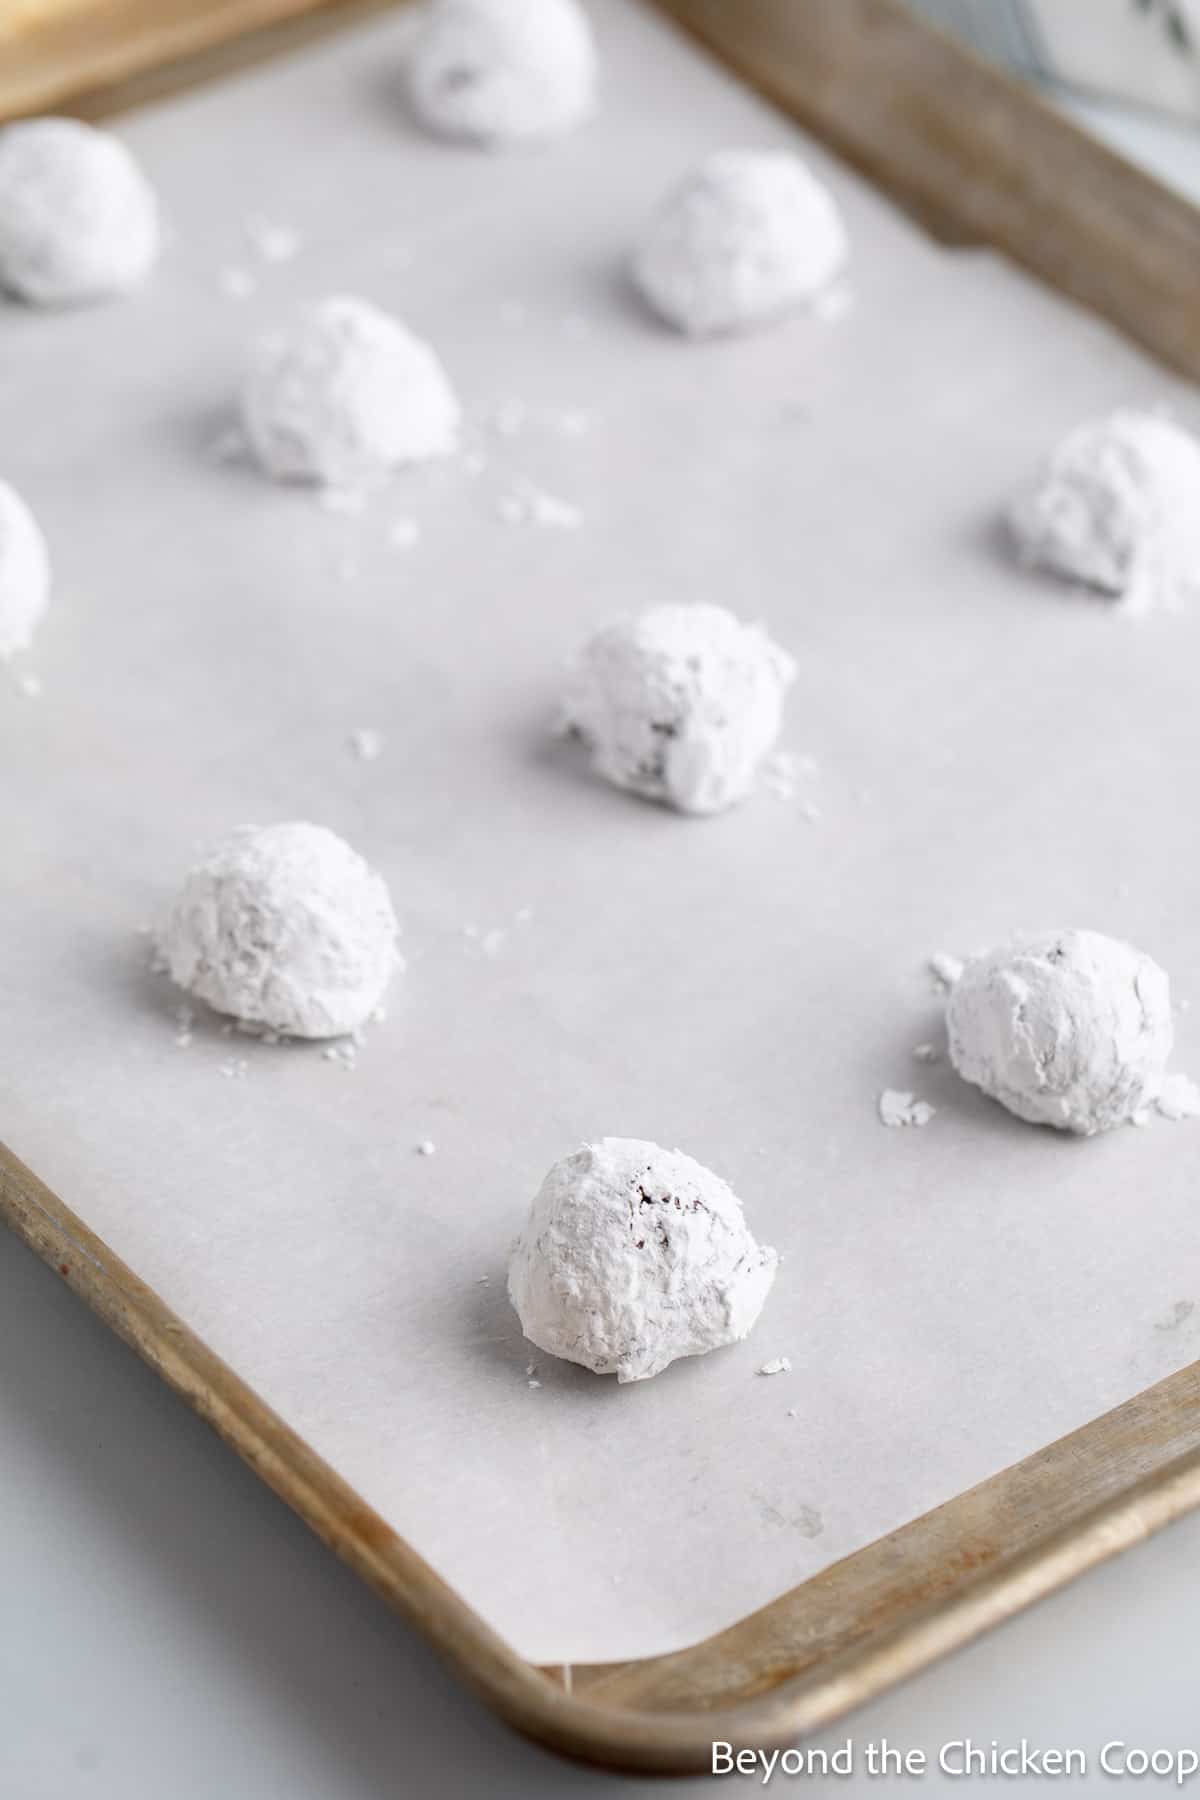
pixel 778 1365
pixel 1179 1098
pixel 898 1108
pixel 236 284
pixel 945 969
pixel 366 744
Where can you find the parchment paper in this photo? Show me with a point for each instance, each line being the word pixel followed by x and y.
pixel 994 753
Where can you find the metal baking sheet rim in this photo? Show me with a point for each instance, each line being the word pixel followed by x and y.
pixel 753 1685
pixel 944 1578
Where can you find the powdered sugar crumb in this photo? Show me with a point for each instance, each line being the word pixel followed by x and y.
pixel 782 773
pixel 1179 1098
pixel 897 1107
pixel 532 506
pixel 945 969
pixel 778 1365
pixel 427 1147
pixel 926 1053
pixel 366 744
pixel 236 284
pixel 273 243
pixel 236 1068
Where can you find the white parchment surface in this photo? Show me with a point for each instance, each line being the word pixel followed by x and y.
pixel 994 753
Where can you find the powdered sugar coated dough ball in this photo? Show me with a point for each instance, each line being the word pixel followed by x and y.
pixel 345 395
pixel 502 71
pixel 78 219
pixel 24 573
pixel 286 927
pixel 634 1256
pixel 747 236
pixel 679 704
pixel 1069 1028
pixel 1117 507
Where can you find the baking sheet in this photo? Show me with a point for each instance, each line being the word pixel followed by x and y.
pixel 993 753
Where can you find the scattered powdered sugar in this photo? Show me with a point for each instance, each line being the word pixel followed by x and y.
pixel 427 1147
pixel 273 243
pixel 512 418
pixel 679 704
pixel 945 969
pixel 526 505
pixel 926 1053
pixel 898 1108
pixel 833 303
pixel 366 744
pixel 185 1018
pixel 782 773
pixel 778 1365
pixel 236 284
pixel 284 926
pixel 236 1068
pixel 489 942
pixel 1179 1098
pixel 344 1053
pixel 633 1256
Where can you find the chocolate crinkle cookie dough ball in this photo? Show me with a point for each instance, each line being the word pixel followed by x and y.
pixel 78 219
pixel 498 72
pixel 1117 508
pixel 634 1256
pixel 1068 1028
pixel 746 237
pixel 345 395
pixel 284 926
pixel 679 704
pixel 24 573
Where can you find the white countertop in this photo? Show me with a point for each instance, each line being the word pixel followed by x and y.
pixel 168 1630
